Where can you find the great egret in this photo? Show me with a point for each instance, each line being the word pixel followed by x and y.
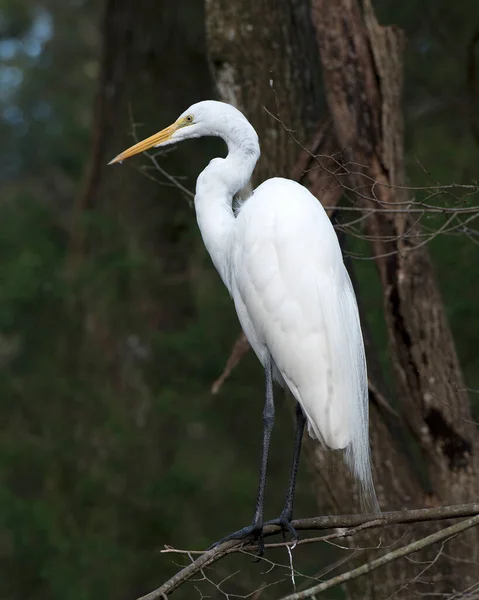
pixel 280 259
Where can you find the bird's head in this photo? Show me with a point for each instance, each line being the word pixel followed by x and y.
pixel 201 119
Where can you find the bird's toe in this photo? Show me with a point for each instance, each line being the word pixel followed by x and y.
pixel 286 524
pixel 253 532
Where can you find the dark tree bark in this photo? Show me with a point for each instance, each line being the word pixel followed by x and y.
pixel 240 36
pixel 362 68
pixel 364 97
pixel 362 73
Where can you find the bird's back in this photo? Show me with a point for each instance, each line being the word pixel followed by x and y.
pixel 295 301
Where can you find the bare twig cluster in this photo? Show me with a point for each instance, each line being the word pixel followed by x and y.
pixel 436 209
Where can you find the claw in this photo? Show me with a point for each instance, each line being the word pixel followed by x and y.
pixel 285 522
pixel 252 531
pixel 255 532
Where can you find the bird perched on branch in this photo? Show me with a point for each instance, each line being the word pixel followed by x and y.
pixel 280 259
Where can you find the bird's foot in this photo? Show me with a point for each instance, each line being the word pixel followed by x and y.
pixel 285 522
pixel 253 531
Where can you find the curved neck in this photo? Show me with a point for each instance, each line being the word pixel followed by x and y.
pixel 215 188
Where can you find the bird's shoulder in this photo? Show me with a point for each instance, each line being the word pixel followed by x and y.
pixel 284 218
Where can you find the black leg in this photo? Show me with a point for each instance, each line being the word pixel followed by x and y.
pixel 256 528
pixel 268 422
pixel 287 514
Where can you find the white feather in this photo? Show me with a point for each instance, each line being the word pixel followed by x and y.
pixel 295 301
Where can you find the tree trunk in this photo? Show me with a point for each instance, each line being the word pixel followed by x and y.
pixel 362 68
pixel 282 49
pixel 286 85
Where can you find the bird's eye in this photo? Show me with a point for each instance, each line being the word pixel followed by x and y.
pixel 189 119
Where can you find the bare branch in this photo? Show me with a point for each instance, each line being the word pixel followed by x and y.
pixel 318 523
pixel 366 568
pixel 153 156
pixel 240 348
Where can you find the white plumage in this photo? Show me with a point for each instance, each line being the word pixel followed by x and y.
pixel 291 291
pixel 294 299
pixel 281 261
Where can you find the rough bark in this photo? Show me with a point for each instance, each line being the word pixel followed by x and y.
pixel 362 70
pixel 240 36
pixel 243 78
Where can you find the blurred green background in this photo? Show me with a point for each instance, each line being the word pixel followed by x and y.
pixel 113 322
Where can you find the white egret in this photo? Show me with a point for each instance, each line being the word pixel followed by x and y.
pixel 280 259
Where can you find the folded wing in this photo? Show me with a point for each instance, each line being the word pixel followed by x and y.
pixel 295 300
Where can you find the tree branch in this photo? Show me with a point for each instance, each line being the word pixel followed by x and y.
pixel 319 523
pixel 366 568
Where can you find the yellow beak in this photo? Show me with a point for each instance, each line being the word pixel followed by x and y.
pixel 158 138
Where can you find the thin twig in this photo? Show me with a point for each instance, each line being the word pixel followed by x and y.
pixel 366 568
